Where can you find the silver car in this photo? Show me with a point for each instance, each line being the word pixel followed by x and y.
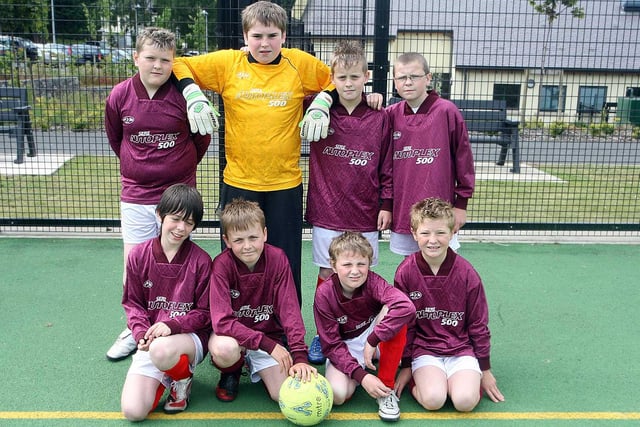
pixel 56 54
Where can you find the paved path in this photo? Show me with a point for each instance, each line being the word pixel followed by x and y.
pixel 532 151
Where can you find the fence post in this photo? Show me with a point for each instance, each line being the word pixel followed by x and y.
pixel 381 48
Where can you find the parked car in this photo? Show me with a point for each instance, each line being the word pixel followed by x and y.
pixel 56 54
pixel 120 56
pixel 21 47
pixel 5 48
pixel 83 53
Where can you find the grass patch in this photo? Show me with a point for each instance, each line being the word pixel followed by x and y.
pixel 88 187
pixel 589 194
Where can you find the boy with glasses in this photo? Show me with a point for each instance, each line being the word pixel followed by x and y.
pixel 431 152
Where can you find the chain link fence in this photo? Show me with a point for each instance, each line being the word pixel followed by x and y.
pixel 568 76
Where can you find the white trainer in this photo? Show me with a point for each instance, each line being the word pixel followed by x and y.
pixel 124 346
pixel 388 408
pixel 178 398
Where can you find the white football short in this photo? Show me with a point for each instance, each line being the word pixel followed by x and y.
pixel 322 237
pixel 139 223
pixel 405 244
pixel 356 345
pixel 449 365
pixel 257 360
pixel 141 363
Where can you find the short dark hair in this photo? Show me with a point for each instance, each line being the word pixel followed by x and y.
pixel 184 200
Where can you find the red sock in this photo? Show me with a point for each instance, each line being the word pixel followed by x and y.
pixel 390 356
pixel 159 393
pixel 181 369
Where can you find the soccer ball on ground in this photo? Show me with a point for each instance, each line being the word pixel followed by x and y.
pixel 306 404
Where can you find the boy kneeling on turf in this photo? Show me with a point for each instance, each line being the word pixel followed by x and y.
pixel 254 306
pixel 355 310
pixel 166 299
pixel 448 346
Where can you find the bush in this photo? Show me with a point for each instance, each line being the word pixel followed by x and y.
pixel 534 124
pixel 601 129
pixel 557 128
pixel 71 111
pixel 635 132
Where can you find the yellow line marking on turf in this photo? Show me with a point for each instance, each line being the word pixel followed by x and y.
pixel 334 416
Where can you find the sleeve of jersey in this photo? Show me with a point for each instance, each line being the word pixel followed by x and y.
pixel 112 123
pixel 386 165
pixel 207 71
pixel 202 143
pixel 289 312
pixel 407 355
pixel 198 317
pixel 315 74
pixel 463 157
pixel 478 318
pixel 401 310
pixel 133 298
pixel 333 347
pixel 223 320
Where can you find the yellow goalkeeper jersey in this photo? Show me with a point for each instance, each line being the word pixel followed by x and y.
pixel 263 106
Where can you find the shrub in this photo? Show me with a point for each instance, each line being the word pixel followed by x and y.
pixel 73 111
pixel 601 129
pixel 635 132
pixel 557 128
pixel 534 124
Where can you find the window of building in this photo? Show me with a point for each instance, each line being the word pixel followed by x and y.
pixel 552 98
pixel 591 99
pixel 507 92
pixel 632 92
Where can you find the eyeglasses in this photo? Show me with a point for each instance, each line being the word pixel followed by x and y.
pixel 412 77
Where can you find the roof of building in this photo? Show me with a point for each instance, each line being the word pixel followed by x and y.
pixel 496 33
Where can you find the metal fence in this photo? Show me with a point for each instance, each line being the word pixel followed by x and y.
pixel 569 76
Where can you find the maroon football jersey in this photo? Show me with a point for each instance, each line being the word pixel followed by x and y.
pixel 176 292
pixel 257 307
pixel 152 139
pixel 339 318
pixel 350 171
pixel 452 315
pixel 431 157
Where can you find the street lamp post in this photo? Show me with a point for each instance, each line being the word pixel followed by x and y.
pixel 136 22
pixel 206 31
pixel 53 22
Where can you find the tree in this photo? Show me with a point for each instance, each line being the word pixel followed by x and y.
pixel 552 9
pixel 195 38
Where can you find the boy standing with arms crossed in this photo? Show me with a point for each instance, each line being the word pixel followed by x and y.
pixel 350 170
pixel 355 310
pixel 253 306
pixel 147 128
pixel 431 152
pixel 166 299
pixel 263 91
pixel 448 346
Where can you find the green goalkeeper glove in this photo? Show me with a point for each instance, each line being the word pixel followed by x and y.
pixel 202 115
pixel 315 123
